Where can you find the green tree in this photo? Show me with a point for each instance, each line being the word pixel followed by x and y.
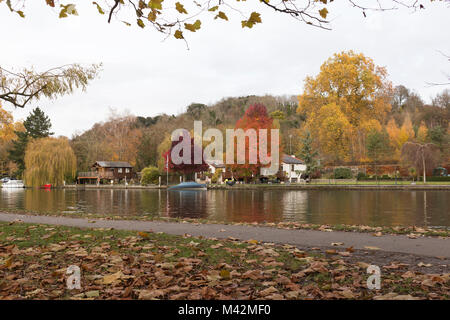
pixel 308 154
pixel 150 175
pixel 37 125
pixel 378 146
pixel 437 135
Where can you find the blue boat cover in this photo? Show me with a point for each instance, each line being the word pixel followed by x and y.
pixel 188 185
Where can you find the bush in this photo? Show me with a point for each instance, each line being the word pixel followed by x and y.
pixel 342 173
pixel 361 176
pixel 150 175
pixel 216 176
pixel 437 178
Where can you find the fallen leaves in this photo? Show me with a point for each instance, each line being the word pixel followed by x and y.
pixel 126 265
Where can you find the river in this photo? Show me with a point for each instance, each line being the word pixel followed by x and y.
pixel 362 207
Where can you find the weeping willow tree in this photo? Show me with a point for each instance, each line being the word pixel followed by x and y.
pixel 49 161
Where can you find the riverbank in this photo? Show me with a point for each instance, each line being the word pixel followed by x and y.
pixel 426 246
pixel 117 264
pixel 293 186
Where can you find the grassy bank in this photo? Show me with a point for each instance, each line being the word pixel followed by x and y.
pixel 129 265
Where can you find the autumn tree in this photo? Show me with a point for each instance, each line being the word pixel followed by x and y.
pixel 398 136
pixel 331 132
pixel 49 161
pixel 8 129
pixel 186 169
pixel 254 119
pixel 420 156
pixel 356 90
pixel 177 17
pixel 23 86
pixel 422 133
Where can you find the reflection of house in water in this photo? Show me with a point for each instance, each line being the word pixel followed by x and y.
pixel 295 205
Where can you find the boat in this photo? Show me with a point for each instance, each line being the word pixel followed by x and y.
pixel 46 186
pixel 189 186
pixel 13 184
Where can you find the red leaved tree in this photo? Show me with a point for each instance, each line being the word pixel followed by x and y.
pixel 257 118
pixel 185 168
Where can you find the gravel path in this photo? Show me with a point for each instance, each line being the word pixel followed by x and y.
pixel 427 246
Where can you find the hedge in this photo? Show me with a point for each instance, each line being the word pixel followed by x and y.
pixel 342 173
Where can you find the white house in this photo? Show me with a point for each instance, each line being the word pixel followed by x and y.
pixel 292 167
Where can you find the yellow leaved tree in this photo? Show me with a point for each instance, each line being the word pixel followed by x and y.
pixel 49 161
pixel 359 92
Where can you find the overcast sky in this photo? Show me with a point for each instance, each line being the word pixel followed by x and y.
pixel 147 76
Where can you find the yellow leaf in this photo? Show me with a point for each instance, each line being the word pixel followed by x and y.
pixel 100 10
pixel 225 274
pixel 140 23
pixel 193 27
pixel 178 34
pixel 252 241
pixel 255 17
pixel 143 234
pixel 180 8
pixel 213 8
pixel 155 4
pixel 323 13
pixel 111 278
pixel 221 15
pixel 152 15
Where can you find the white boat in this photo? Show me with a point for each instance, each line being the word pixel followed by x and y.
pixel 13 184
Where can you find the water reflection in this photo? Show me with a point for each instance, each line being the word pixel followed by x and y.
pixel 421 208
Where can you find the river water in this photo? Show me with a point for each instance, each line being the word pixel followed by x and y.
pixel 362 207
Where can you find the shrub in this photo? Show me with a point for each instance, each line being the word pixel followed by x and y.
pixel 361 176
pixel 438 178
pixel 216 176
pixel 150 175
pixel 342 173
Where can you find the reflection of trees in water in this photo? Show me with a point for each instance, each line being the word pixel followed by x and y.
pixel 248 205
pixel 378 208
pixel 111 202
pixel 366 207
pixel 46 200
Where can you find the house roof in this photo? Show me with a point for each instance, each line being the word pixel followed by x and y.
pixel 113 164
pixel 291 159
pixel 215 164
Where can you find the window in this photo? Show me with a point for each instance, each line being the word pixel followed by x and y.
pixel 292 167
pixel 127 170
pixel 119 170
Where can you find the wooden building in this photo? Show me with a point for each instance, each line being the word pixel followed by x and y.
pixel 107 170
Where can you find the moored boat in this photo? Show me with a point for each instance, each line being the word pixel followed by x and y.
pixel 189 186
pixel 13 184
